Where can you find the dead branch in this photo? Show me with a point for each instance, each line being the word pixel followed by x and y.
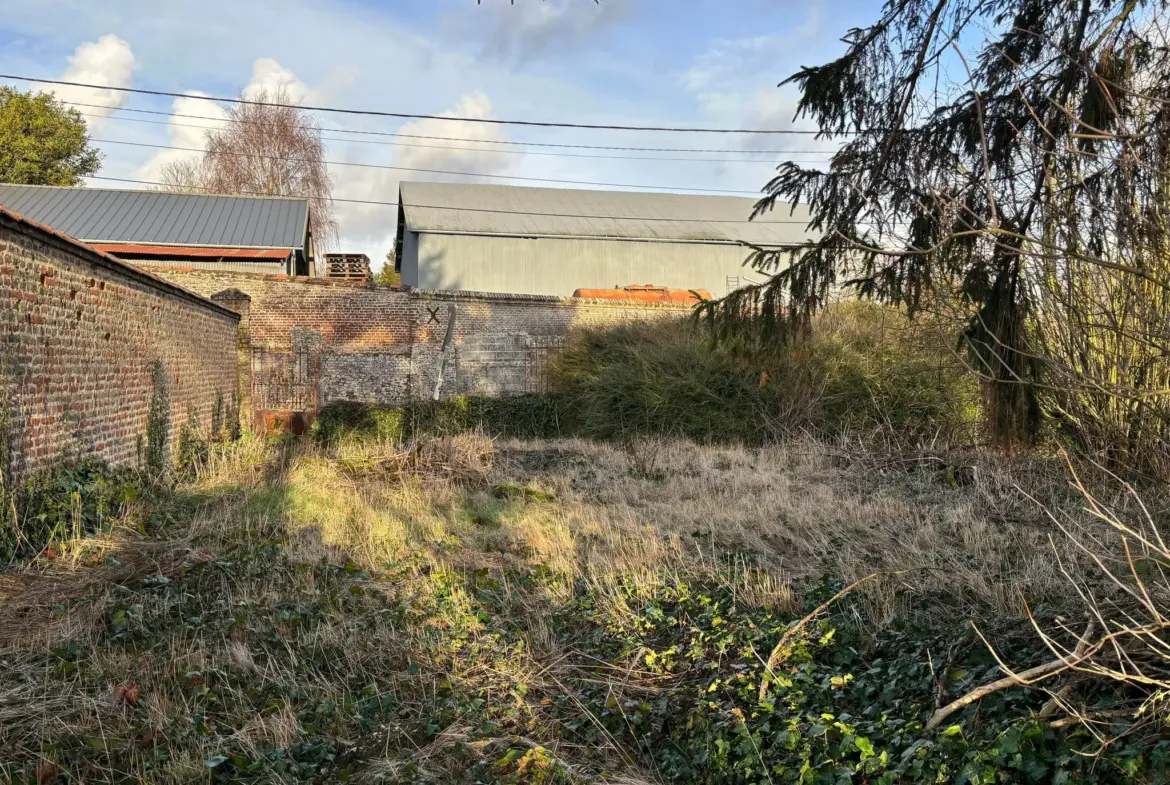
pixel 1083 651
pixel 780 651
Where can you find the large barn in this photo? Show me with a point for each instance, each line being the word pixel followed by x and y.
pixel 553 241
pixel 257 234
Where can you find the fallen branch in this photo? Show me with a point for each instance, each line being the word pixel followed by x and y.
pixel 1078 719
pixel 1082 652
pixel 779 651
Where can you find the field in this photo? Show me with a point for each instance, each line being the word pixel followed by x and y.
pixel 466 610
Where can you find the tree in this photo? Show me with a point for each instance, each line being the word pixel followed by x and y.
pixel 269 147
pixel 42 142
pixel 989 144
pixel 388 276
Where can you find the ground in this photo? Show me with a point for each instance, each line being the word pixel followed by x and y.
pixel 469 610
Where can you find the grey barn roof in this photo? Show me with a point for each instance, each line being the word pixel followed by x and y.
pixel 158 218
pixel 559 212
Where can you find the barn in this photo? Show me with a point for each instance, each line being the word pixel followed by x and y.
pixel 256 234
pixel 553 241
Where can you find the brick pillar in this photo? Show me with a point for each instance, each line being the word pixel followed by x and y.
pixel 241 303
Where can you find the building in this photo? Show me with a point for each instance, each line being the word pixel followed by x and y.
pixel 552 241
pixel 238 233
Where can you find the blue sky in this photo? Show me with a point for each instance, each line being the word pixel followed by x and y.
pixel 620 61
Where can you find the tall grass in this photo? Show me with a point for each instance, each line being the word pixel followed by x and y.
pixel 864 369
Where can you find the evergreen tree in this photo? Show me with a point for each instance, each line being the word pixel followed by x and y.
pixel 980 139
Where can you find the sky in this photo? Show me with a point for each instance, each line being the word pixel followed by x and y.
pixel 713 63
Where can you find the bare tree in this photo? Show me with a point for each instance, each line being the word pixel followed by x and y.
pixel 269 147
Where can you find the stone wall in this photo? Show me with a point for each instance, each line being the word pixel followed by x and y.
pixel 383 345
pixel 81 331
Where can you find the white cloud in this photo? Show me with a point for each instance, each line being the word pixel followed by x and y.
pixel 109 61
pixel 269 75
pixel 734 83
pixel 463 155
pixel 187 128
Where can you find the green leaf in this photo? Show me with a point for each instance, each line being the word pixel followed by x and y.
pixel 215 761
pixel 865 746
pixel 953 730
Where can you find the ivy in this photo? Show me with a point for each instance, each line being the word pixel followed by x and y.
pixel 158 422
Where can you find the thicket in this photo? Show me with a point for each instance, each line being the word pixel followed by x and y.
pixel 863 369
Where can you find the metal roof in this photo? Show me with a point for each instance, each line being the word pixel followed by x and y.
pixel 107 261
pixel 159 218
pixel 201 251
pixel 558 212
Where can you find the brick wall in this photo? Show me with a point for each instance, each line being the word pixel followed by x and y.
pixel 81 330
pixel 383 344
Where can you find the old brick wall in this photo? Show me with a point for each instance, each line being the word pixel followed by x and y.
pixel 81 331
pixel 382 345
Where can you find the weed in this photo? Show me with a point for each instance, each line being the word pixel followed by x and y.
pixel 217 413
pixel 193 448
pixel 74 498
pixel 158 422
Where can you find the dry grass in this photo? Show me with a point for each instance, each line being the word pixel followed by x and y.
pixel 264 621
pixel 668 508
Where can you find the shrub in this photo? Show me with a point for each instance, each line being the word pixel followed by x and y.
pixel 872 368
pixel 66 501
pixel 863 368
pixel 193 448
pixel 660 379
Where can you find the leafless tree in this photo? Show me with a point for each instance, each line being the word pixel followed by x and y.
pixel 269 147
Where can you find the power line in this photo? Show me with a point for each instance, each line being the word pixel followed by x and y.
pixel 439 171
pixel 822 154
pixel 406 116
pixel 434 138
pixel 491 210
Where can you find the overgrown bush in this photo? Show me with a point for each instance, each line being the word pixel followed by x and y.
pixel 661 379
pixel 863 368
pixel 73 498
pixel 869 367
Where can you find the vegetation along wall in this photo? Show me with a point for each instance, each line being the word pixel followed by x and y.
pixel 85 338
pixel 383 344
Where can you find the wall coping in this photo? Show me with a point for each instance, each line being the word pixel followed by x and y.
pixel 545 299
pixel 16 222
pixel 440 294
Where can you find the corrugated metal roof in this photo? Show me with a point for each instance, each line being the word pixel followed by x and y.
pixel 557 212
pixel 112 262
pixel 190 250
pixel 158 218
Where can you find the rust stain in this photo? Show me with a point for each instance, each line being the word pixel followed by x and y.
pixel 645 293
